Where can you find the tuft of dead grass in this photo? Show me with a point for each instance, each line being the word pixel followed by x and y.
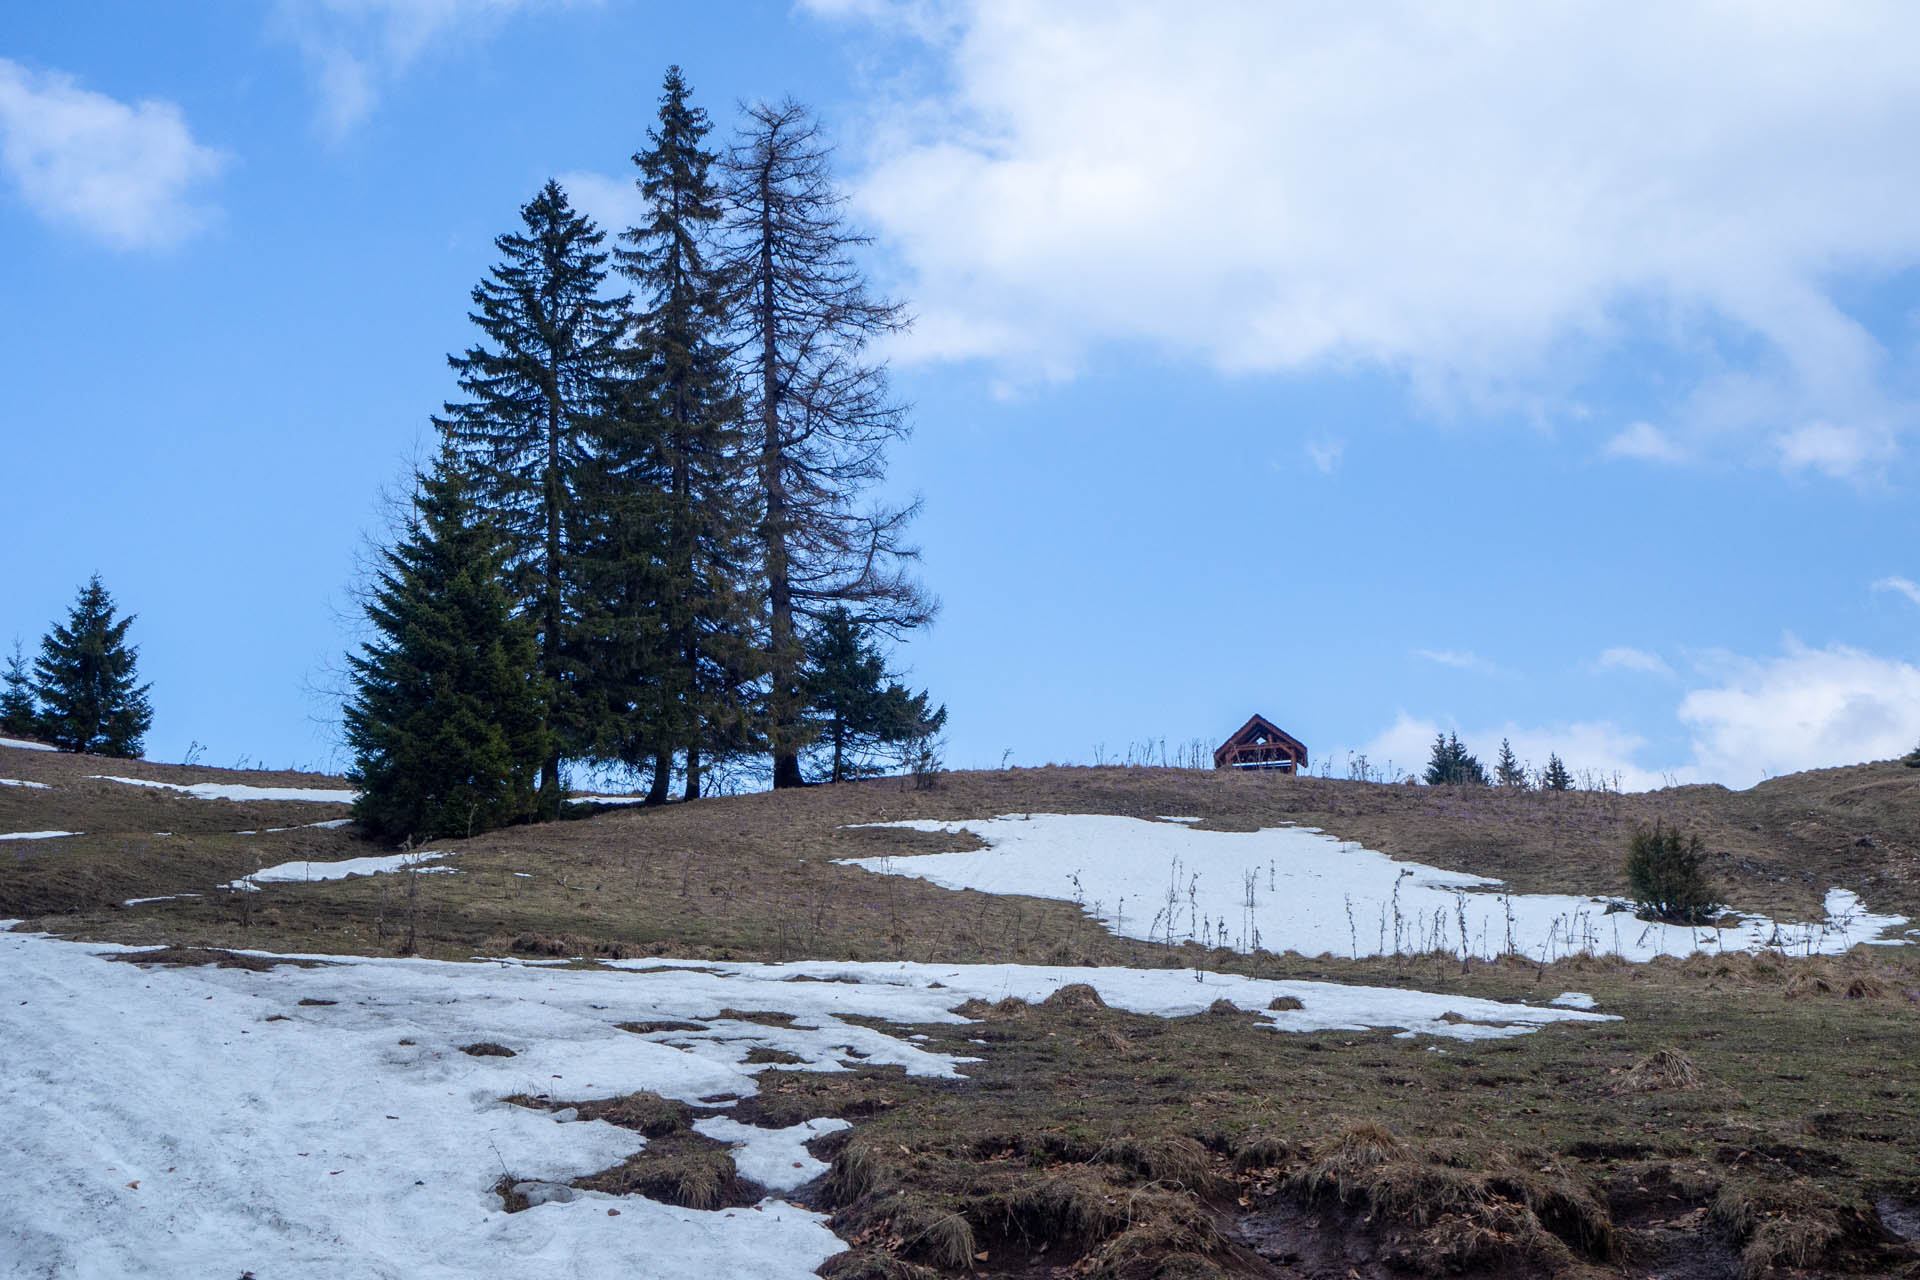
pixel 1163 1158
pixel 684 1168
pixel 1664 1068
pixel 1075 995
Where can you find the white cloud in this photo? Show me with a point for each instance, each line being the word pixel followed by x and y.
pixel 613 203
pixel 1749 719
pixel 1325 454
pixel 1903 586
pixel 1806 709
pixel 356 47
pixel 122 174
pixel 1459 193
pixel 1460 661
pixel 1839 451
pixel 1592 750
pixel 1644 442
pixel 1623 658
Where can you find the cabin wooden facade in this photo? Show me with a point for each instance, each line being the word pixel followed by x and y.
pixel 1260 745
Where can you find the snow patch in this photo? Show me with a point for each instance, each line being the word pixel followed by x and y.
pixel 141 902
pixel 37 835
pixel 777 1159
pixel 239 791
pixel 303 872
pixel 1299 889
pixel 16 782
pixel 1573 1000
pixel 23 745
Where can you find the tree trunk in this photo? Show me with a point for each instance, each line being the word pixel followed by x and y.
pixel 783 658
pixel 662 776
pixel 693 773
pixel 550 646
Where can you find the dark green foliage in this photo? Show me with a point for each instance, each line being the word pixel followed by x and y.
pixel 819 404
pixel 670 643
pixel 446 721
pixel 1667 876
pixel 537 386
pixel 1911 759
pixel 85 683
pixel 1452 765
pixel 19 715
pixel 1555 777
pixel 860 713
pixel 1507 770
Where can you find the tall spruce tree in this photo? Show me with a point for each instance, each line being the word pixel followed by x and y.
pixel 1555 776
pixel 819 404
pixel 1451 764
pixel 537 385
pixel 1507 769
pixel 19 715
pixel 677 434
pixel 85 682
pixel 858 709
pixel 446 720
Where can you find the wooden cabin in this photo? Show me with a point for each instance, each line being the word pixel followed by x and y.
pixel 1260 745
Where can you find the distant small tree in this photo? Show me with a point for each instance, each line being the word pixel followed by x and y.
pixel 858 708
pixel 1507 770
pixel 446 720
pixel 1555 777
pixel 1911 759
pixel 1667 876
pixel 85 683
pixel 19 714
pixel 1451 764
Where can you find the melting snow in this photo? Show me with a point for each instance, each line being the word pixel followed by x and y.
pixel 37 835
pixel 303 872
pixel 777 1159
pixel 1298 889
pixel 16 782
pixel 1573 1000
pixel 332 824
pixel 26 746
pixel 159 1124
pixel 240 791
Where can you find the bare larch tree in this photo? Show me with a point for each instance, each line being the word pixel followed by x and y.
pixel 820 404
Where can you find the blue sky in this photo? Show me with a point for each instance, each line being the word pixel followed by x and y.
pixel 1547 373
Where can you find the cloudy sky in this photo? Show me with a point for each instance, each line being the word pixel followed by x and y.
pixel 1547 372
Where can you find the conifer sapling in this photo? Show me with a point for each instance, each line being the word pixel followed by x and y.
pixel 85 682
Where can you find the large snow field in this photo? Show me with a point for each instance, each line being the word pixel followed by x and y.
pixel 239 791
pixel 158 1124
pixel 1298 889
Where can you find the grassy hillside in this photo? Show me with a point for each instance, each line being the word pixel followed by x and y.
pixel 1748 1116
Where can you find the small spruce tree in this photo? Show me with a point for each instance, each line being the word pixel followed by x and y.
pixel 1667 876
pixel 1555 777
pixel 446 721
pixel 19 715
pixel 1507 770
pixel 858 710
pixel 85 683
pixel 1911 759
pixel 1451 764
